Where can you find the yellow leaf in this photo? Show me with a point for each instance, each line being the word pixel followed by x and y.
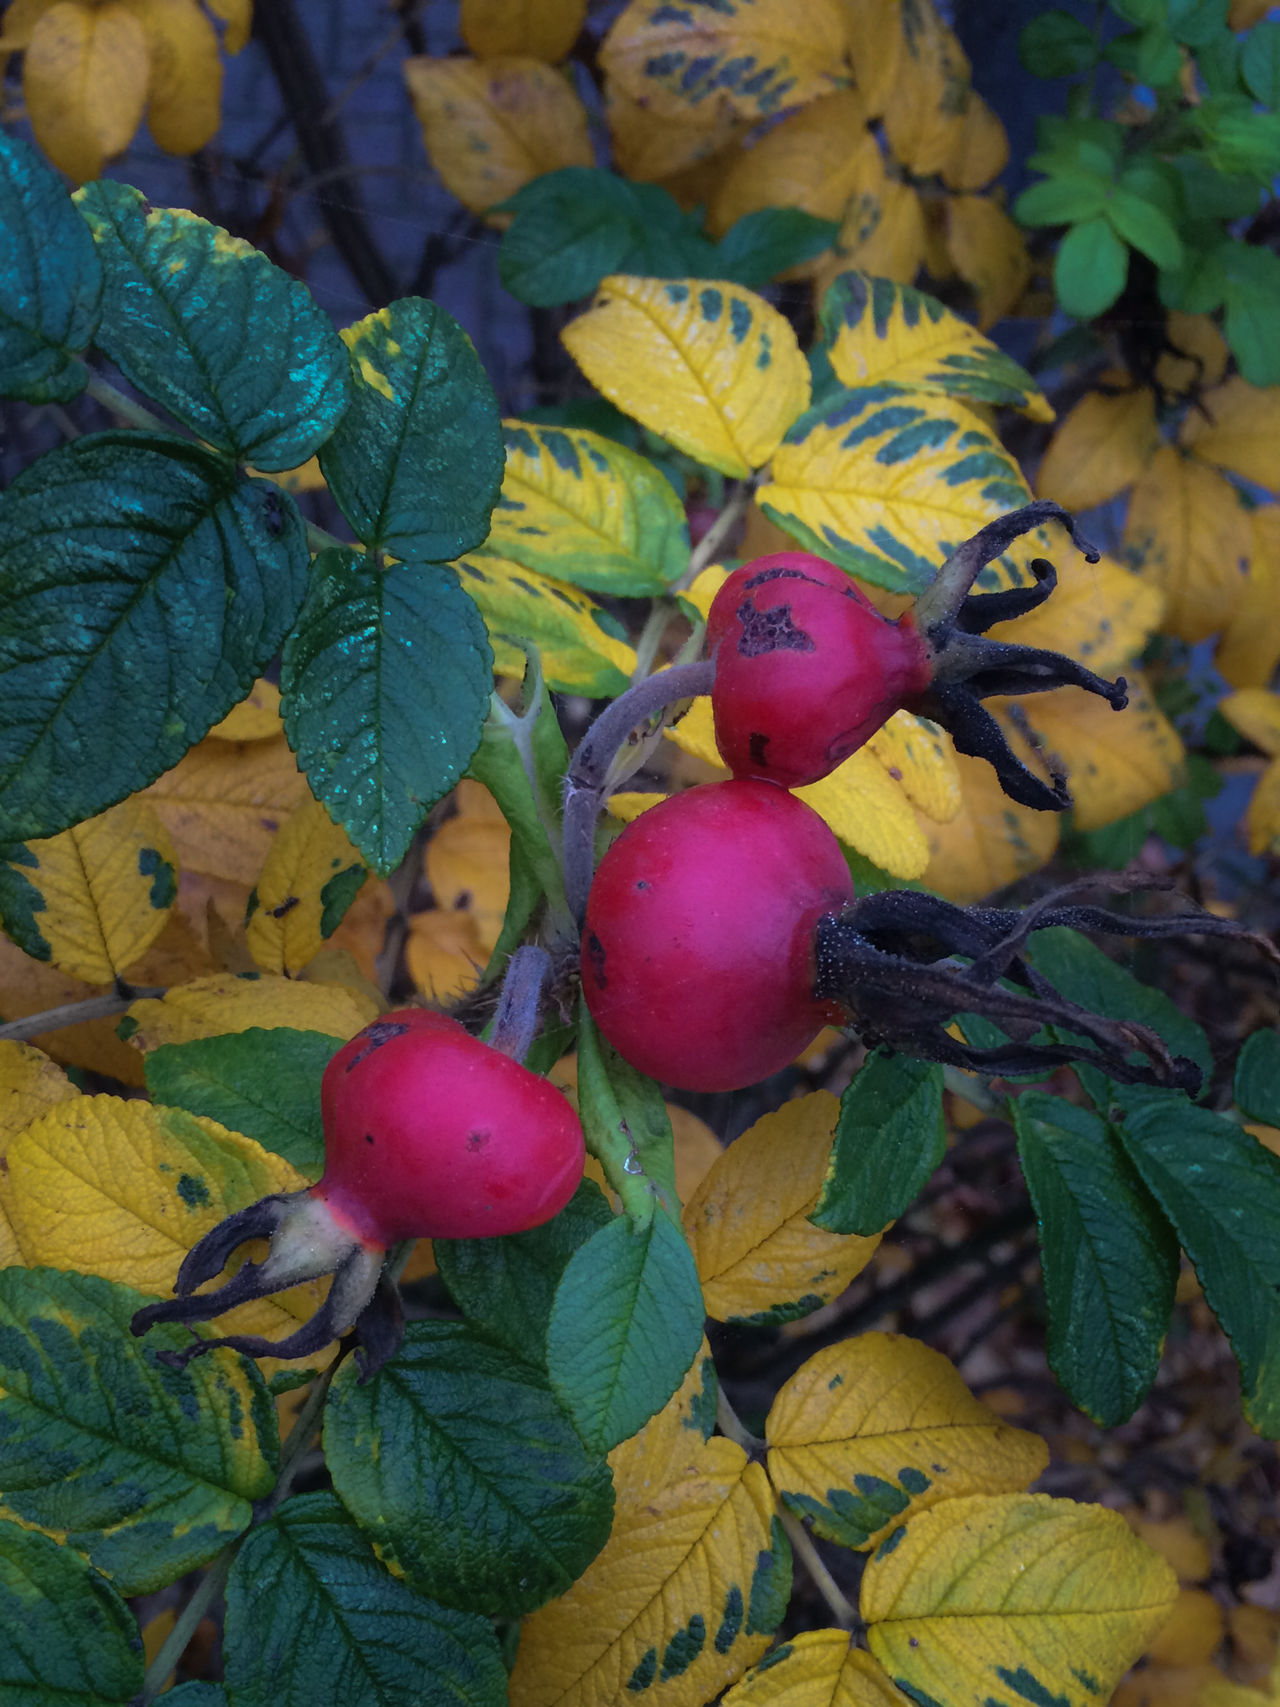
pixel 492 125
pixel 1099 613
pixel 308 881
pixel 759 1256
pixel 107 887
pixel 702 590
pixel 1188 533
pixel 667 1602
pixel 223 803
pixel 84 78
pixel 29 1084
pixel 1102 446
pixel 184 93
pixel 670 1443
pixel 628 804
pixel 585 509
pixel 1239 430
pixel 890 485
pixel 758 56
pixel 875 47
pixel 237 15
pixel 1263 817
pixel 1193 1633
pixel 1244 14
pixel 125 1189
pixel 254 719
pixel 990 842
pixel 217 1006
pixel 882 1425
pixel 711 366
pixel 981 148
pixel 808 161
pixel 880 333
pixel 989 254
pixel 445 954
pixel 539 29
pixel 925 112
pixel 1249 649
pixel 19 20
pixel 883 229
pixel 1116 762
pixel 1203 354
pixel 1175 1540
pixel 468 867
pixel 818 1668
pixel 1017 1591
pixel 573 633
pixel 697 1150
pixel 652 146
pixel 919 755
pixel 1256 714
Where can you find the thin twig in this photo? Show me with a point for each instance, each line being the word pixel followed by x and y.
pixel 73 1013
pixel 840 1608
pixel 120 404
pixel 708 546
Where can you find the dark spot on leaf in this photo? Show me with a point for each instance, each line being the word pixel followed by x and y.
pixel 683 1648
pixel 193 1192
pixel 731 1623
pixel 286 906
pixel 645 1672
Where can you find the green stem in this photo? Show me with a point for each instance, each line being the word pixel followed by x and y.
pixel 127 408
pixel 730 1423
pixel 973 1090
pixel 320 539
pixel 660 614
pixel 708 546
pixel 839 1607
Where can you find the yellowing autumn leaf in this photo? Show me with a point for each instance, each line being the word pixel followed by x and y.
pixel 980 151
pixel 492 125
pixel 1189 534
pixel 881 1425
pixel 184 90
pixel 883 229
pixel 1020 1593
pixel 757 56
pixel 579 642
pixel 256 718
pixel 1237 428
pixel 881 333
pixel 1249 650
pixel 223 803
pixel 213 1007
pixel 445 953
pixel 1102 446
pixel 925 111
pixel 1193 1633
pixel 1256 714
pixel 818 1668
pixel 670 1443
pixel 680 1601
pixel 711 366
pixel 650 146
pixel 989 253
pixel 990 842
pixel 808 161
pixel 84 79
pixel 237 15
pixel 124 1189
pixel 919 755
pixel 310 878
pixel 1099 612
pixel 468 868
pixel 1201 354
pixel 29 1084
pixel 540 29
pixel 759 1257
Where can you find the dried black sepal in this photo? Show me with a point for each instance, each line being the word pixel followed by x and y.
pixel 895 962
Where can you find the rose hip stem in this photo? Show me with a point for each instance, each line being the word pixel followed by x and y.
pixel 515 1024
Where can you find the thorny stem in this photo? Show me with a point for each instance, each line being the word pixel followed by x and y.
pixel 72 1013
pixel 939 604
pixel 586 778
pixel 516 1022
pixel 840 1608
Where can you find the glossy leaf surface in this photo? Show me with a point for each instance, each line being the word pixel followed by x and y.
pixel 581 645
pixel 889 1138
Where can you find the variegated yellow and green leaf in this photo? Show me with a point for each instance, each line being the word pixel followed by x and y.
pixel 888 483
pixel 925 107
pixel 310 878
pixel 582 646
pixel 878 332
pixel 992 840
pixel 920 757
pixel 1188 533
pixel 818 1668
pixel 582 508
pixel 224 1003
pixel 1099 612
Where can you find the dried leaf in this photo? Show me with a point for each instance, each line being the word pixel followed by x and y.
pixel 882 232
pixel 919 755
pixel 653 146
pixel 256 718
pixel 184 91
pixel 309 879
pixel 84 77
pixel 990 842
pixel 1203 358
pixel 925 112
pixel 818 1668
pixel 537 29
pixel 1099 612
pixel 223 803
pixel 212 1007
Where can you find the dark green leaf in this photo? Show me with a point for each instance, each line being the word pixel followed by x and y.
pixel 889 1138
pixel 762 244
pixel 1260 61
pixel 206 325
pixel 1149 56
pixel 1090 268
pixel 1062 199
pixel 1257 1082
pixel 1200 285
pixel 416 463
pixel 149 1470
pixel 144 585
pixel 309 1606
pixel 1066 143
pixel 1221 1190
pixel 20 901
pixel 1218 62
pixel 196 1695
pixel 625 1326
pixel 1055 44
pixel 505 1286
pixel 1253 326
pixel 1197 22
pixel 1110 1259
pixel 265 1084
pixel 460 1466
pixel 626 1125
pixel 1210 197
pixel 1239 139
pixel 571 228
pixel 66 1637
pixel 50 280
pixel 1144 227
pixel 386 681
pixel 1141 11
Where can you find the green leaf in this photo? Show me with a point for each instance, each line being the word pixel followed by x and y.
pixel 265 1084
pixel 1218 62
pixel 571 228
pixel 505 1286
pixel 1257 1081
pixel 465 1473
pixel 385 682
pixel 1062 199
pixel 889 1138
pixel 1066 143
pixel 1221 1190
pixel 625 1326
pixel 309 1604
pixel 1253 330
pixel 1239 140
pixel 1109 1257
pixel 65 1634
pixel 1197 22
pixel 1144 227
pixel 1090 268
pixel 764 243
pixel 1200 286
pixel 582 645
pixel 416 462
pixel 144 586
pixel 1141 11
pixel 203 323
pixel 626 1125
pixel 1056 44
pixel 1149 56
pixel 50 281
pixel 196 1695
pixel 1260 61
pixel 148 1470
pixel 20 901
